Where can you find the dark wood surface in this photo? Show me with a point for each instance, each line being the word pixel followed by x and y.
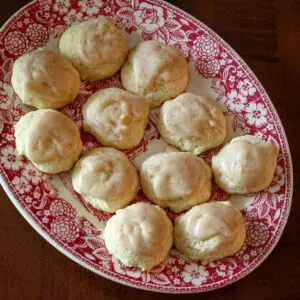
pixel 266 33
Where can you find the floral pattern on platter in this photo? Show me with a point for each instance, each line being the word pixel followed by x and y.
pixel 194 273
pixel 90 7
pixel 244 101
pixel 9 159
pixel 257 234
pixel 37 34
pixel 154 22
pixel 65 228
pixel 16 43
pixel 60 208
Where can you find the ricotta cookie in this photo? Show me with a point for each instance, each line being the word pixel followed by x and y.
pixel 245 165
pixel 177 180
pixel 209 231
pixel 45 79
pixel 49 139
pixel 116 117
pixel 192 123
pixel 96 48
pixel 106 179
pixel 155 71
pixel 139 235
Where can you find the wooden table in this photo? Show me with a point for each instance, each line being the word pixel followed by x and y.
pixel 266 33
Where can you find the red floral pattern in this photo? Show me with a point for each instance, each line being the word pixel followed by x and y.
pixel 62 208
pixel 37 34
pixel 208 68
pixel 65 228
pixel 65 218
pixel 205 47
pixel 257 234
pixel 16 43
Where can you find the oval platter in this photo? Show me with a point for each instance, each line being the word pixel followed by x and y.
pixel 57 213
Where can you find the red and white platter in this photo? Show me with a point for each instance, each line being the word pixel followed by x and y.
pixel 56 212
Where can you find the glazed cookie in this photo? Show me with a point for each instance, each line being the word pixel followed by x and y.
pixel 245 165
pixel 192 123
pixel 209 231
pixel 177 180
pixel 116 117
pixel 155 71
pixel 49 139
pixel 139 235
pixel 45 79
pixel 96 48
pixel 106 179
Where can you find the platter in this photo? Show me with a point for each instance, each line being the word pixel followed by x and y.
pixel 50 204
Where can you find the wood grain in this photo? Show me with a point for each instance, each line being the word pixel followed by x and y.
pixel 266 33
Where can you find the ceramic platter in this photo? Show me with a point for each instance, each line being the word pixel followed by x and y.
pixel 50 204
